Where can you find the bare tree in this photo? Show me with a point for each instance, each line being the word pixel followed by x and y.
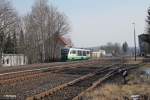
pixel 43 26
pixel 113 48
pixel 8 24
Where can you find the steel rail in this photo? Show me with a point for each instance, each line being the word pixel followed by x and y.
pixel 61 87
pixel 28 74
pixel 101 80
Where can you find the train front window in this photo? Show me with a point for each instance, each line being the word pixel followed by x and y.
pixel 84 53
pixel 65 51
pixel 73 52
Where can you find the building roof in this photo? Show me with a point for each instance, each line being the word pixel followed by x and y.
pixel 12 54
pixel 66 41
pixel 62 39
pixel 144 38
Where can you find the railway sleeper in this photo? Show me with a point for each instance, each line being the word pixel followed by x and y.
pixel 54 90
pixel 98 82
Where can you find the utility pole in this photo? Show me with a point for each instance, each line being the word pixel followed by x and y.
pixel 134 41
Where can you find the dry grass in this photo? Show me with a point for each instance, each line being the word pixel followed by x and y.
pixel 147 65
pixel 138 84
pixel 115 92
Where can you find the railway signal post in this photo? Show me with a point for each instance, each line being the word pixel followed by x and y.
pixel 134 41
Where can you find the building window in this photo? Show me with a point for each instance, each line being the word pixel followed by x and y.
pixel 3 61
pixel 7 61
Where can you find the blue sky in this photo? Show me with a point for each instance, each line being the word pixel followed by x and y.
pixel 96 22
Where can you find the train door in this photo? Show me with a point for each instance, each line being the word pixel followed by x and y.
pixel 64 54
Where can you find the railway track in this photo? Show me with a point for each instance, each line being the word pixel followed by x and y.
pixel 21 74
pixel 12 77
pixel 58 93
pixel 103 79
pixel 24 84
pixel 5 70
pixel 43 83
pixel 35 86
pixel 72 90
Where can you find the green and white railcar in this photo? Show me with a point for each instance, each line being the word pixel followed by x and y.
pixel 75 54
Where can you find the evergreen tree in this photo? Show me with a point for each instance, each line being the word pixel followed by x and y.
pixel 21 42
pixel 9 45
pixel 148 21
pixel 125 47
pixel 1 40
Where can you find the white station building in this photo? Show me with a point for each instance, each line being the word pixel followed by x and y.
pixel 98 54
pixel 13 60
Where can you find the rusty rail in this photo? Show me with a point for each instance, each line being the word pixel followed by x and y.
pixel 54 90
pixel 30 74
pixel 101 80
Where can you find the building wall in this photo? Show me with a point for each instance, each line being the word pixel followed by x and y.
pixel 144 44
pixel 98 54
pixel 59 46
pixel 13 60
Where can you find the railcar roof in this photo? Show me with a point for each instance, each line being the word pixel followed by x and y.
pixel 79 49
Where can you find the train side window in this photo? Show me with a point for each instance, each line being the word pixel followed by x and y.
pixel 79 53
pixel 88 52
pixel 84 53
